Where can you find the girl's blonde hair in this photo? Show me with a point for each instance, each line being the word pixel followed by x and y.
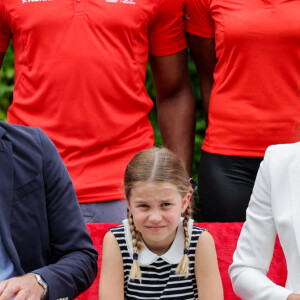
pixel 157 165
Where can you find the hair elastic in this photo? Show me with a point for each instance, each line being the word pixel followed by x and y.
pixel 193 183
pixel 135 256
pixel 186 251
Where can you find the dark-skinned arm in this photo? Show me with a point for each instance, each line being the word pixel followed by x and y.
pixel 175 104
pixel 1 58
pixel 204 55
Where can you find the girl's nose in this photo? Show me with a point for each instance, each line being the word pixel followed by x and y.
pixel 155 217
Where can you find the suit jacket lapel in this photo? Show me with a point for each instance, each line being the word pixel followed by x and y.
pixel 6 198
pixel 294 178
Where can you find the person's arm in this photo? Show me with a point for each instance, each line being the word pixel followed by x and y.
pixel 254 252
pixel 1 58
pixel 203 52
pixel 111 285
pixel 72 265
pixel 207 273
pixel 175 104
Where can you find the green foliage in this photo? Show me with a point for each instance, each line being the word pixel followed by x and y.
pixel 6 82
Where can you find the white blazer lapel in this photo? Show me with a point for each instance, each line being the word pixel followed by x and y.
pixel 294 179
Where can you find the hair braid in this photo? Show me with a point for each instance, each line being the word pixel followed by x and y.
pixel 183 267
pixel 158 166
pixel 137 244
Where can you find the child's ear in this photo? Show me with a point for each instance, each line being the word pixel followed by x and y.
pixel 185 202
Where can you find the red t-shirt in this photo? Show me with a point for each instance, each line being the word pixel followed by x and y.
pixel 80 70
pixel 255 99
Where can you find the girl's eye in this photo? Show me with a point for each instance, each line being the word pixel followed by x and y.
pixel 143 205
pixel 166 204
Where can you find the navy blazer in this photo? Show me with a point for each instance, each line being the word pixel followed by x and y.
pixel 40 220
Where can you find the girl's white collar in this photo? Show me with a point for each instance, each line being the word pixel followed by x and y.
pixel 172 256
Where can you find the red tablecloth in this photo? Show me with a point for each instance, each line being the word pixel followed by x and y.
pixel 225 236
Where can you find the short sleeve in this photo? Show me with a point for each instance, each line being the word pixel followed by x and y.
pixel 5 34
pixel 166 32
pixel 198 19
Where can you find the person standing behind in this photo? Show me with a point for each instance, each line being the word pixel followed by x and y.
pixel 248 56
pixel 80 69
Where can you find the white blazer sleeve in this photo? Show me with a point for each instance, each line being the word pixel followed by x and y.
pixel 255 246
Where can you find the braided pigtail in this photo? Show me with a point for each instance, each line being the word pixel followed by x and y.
pixel 137 244
pixel 183 267
pixel 158 166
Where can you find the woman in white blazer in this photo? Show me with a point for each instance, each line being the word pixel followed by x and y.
pixel 274 208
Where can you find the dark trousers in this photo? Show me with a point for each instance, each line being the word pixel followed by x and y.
pixel 225 185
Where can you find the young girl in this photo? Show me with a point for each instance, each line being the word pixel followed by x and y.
pixel 157 254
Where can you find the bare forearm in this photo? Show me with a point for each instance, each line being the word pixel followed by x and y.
pixel 205 88
pixel 1 58
pixel 203 52
pixel 175 104
pixel 176 118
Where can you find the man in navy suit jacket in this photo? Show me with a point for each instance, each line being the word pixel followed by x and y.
pixel 45 249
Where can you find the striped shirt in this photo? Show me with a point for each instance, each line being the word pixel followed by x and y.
pixel 159 280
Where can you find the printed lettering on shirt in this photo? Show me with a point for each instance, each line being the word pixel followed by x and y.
pixel 127 1
pixel 30 1
pixel 121 1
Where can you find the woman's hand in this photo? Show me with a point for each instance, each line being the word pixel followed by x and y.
pixel 294 297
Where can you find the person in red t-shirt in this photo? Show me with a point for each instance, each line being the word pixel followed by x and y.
pixel 248 57
pixel 80 70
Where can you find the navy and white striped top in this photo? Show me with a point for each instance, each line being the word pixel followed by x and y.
pixel 159 280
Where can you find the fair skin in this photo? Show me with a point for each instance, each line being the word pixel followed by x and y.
pixel 294 297
pixel 111 285
pixel 207 272
pixel 156 211
pixel 21 288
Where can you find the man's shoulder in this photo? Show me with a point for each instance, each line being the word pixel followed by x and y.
pixel 26 141
pixel 20 134
pixel 17 129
